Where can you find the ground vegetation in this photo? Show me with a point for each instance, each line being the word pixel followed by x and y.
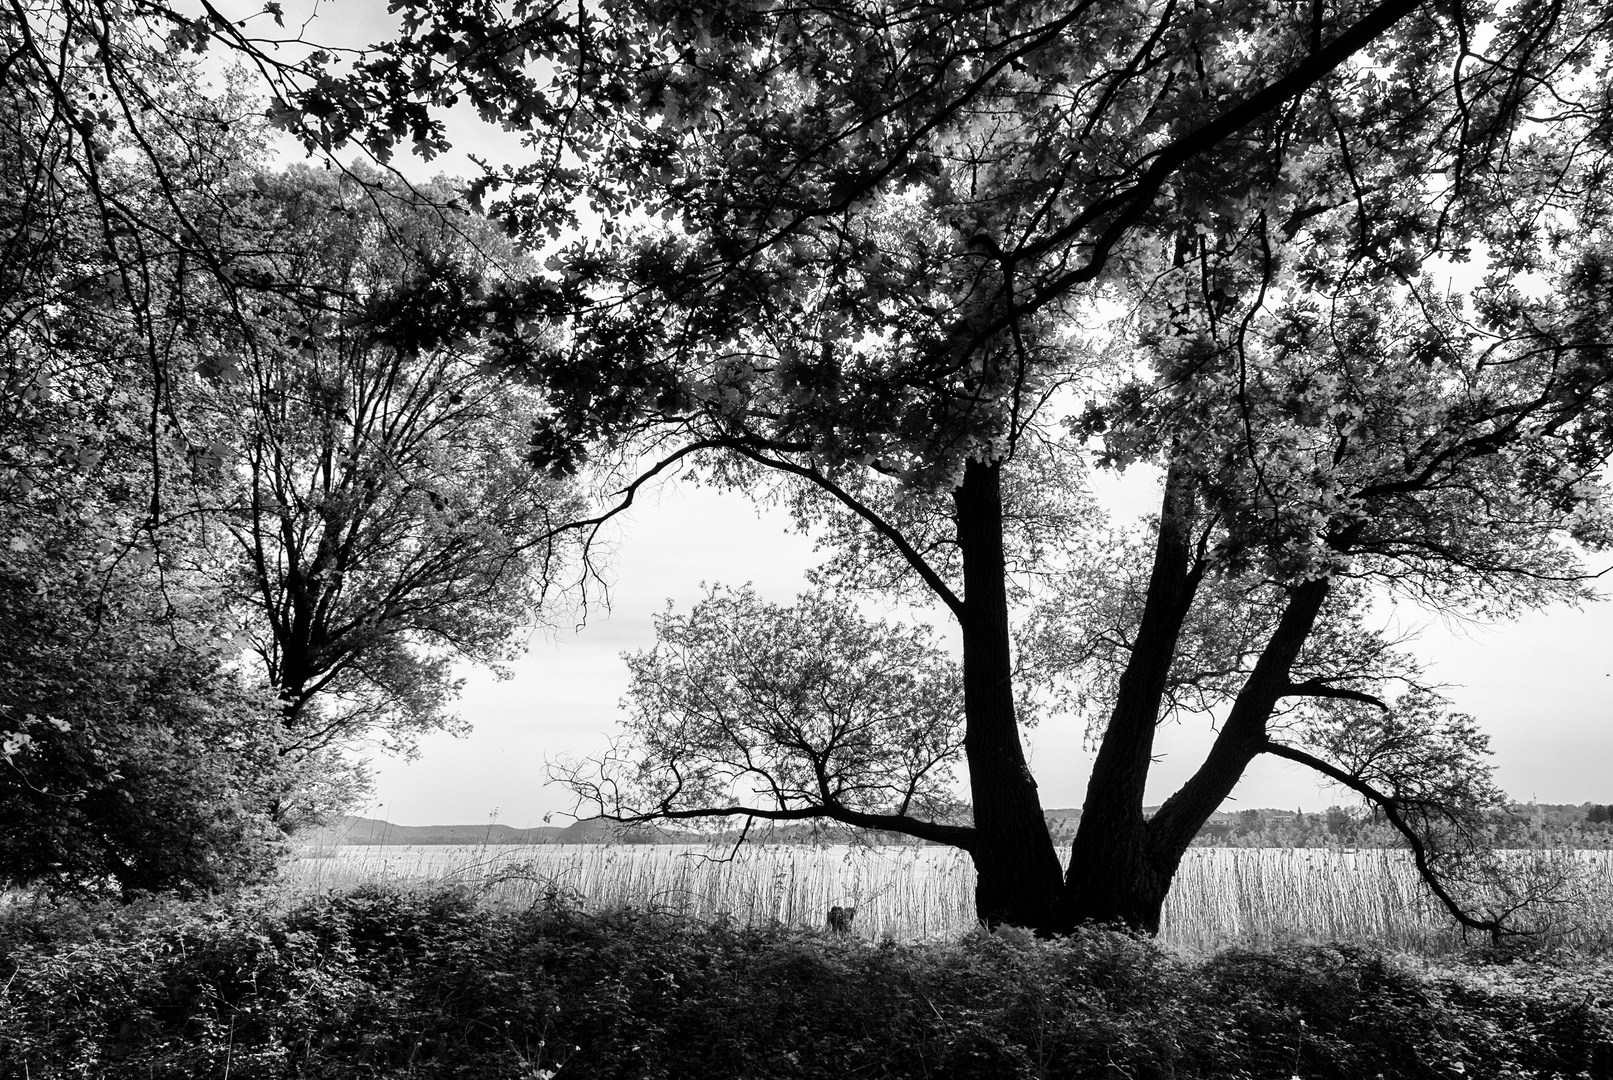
pixel 405 984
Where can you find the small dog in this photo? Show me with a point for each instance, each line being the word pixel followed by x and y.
pixel 840 919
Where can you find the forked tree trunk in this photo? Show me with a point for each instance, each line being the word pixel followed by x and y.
pixel 1121 864
pixel 1242 738
pixel 1112 876
pixel 1124 877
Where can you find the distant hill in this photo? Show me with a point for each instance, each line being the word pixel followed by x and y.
pixel 1061 823
pixel 369 831
pixel 1524 825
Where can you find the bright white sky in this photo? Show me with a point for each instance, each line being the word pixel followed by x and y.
pixel 1541 686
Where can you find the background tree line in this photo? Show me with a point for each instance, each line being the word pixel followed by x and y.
pixel 1517 826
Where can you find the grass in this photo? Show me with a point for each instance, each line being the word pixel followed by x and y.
pixel 1221 897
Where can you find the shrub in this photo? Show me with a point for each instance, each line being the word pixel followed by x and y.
pixel 382 983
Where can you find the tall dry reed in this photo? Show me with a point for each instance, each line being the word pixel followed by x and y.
pixel 1220 896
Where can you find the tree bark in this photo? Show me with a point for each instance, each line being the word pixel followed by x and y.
pixel 1018 868
pixel 1243 734
pixel 1132 890
pixel 1121 864
pixel 1111 878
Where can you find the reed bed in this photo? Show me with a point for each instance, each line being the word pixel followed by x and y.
pixel 1221 896
pixel 904 893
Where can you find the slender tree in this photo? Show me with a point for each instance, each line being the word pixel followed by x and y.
pixel 366 466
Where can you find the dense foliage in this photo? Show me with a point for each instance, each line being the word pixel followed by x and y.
pixel 133 754
pixel 393 985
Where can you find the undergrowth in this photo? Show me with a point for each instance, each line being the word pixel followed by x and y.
pixel 383 983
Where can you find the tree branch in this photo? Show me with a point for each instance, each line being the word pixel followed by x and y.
pixel 1321 688
pixel 958 836
pixel 1167 161
pixel 909 554
pixel 631 490
pixel 1391 811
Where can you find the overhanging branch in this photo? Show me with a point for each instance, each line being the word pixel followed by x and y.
pixel 884 528
pixel 1391 811
pixel 1320 688
pixel 958 836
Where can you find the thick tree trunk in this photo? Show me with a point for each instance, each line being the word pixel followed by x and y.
pixel 1018 868
pixel 1127 883
pixel 1121 864
pixel 1111 878
pixel 1243 735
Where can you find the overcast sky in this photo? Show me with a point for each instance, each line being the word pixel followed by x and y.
pixel 1540 685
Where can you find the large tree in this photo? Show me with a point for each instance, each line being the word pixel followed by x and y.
pixel 136 754
pixel 866 248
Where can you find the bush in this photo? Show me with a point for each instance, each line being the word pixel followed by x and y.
pixel 133 758
pixel 400 984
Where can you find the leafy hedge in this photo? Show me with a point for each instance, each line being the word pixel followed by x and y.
pixel 419 984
